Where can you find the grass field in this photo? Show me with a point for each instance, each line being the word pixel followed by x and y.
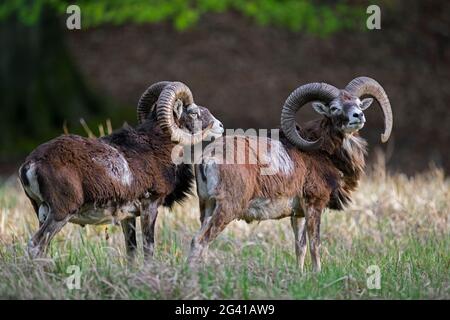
pixel 397 223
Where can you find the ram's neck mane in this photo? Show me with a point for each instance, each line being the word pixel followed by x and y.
pixel 184 175
pixel 346 152
pixel 148 150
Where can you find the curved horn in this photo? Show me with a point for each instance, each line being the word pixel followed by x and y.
pixel 297 99
pixel 367 86
pixel 148 99
pixel 166 101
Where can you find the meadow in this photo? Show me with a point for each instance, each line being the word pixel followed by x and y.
pixel 396 223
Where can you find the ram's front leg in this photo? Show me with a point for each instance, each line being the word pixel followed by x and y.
pixel 149 213
pixel 211 227
pixel 313 216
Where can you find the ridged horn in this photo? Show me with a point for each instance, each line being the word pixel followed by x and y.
pixel 164 111
pixel 298 98
pixel 148 99
pixel 367 86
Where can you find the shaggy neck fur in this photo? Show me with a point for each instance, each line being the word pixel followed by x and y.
pixel 346 152
pixel 151 143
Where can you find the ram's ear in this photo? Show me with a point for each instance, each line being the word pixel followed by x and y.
pixel 178 108
pixel 365 103
pixel 320 108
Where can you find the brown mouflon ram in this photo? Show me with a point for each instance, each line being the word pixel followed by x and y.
pixel 120 176
pixel 318 166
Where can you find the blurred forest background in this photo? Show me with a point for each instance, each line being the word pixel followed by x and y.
pixel 240 58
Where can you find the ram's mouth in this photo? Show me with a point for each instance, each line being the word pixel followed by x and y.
pixel 217 131
pixel 353 126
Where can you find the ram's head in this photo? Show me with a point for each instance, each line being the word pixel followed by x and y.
pixel 173 106
pixel 343 107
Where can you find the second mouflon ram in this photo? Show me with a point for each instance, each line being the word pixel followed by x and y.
pixel 318 166
pixel 121 176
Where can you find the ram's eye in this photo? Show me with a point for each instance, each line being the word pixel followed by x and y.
pixel 194 115
pixel 333 109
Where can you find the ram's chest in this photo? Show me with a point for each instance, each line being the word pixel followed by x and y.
pixel 106 214
pixel 264 209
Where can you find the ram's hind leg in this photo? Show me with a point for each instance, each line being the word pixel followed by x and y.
pixel 129 232
pixel 40 241
pixel 211 227
pixel 299 227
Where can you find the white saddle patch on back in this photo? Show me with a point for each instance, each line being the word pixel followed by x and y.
pixel 277 159
pixel 116 166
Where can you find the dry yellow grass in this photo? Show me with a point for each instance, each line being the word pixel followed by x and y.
pixel 398 223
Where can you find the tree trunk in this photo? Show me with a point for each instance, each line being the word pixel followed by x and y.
pixel 40 86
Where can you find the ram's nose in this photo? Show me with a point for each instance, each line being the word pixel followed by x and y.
pixel 358 115
pixel 218 127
